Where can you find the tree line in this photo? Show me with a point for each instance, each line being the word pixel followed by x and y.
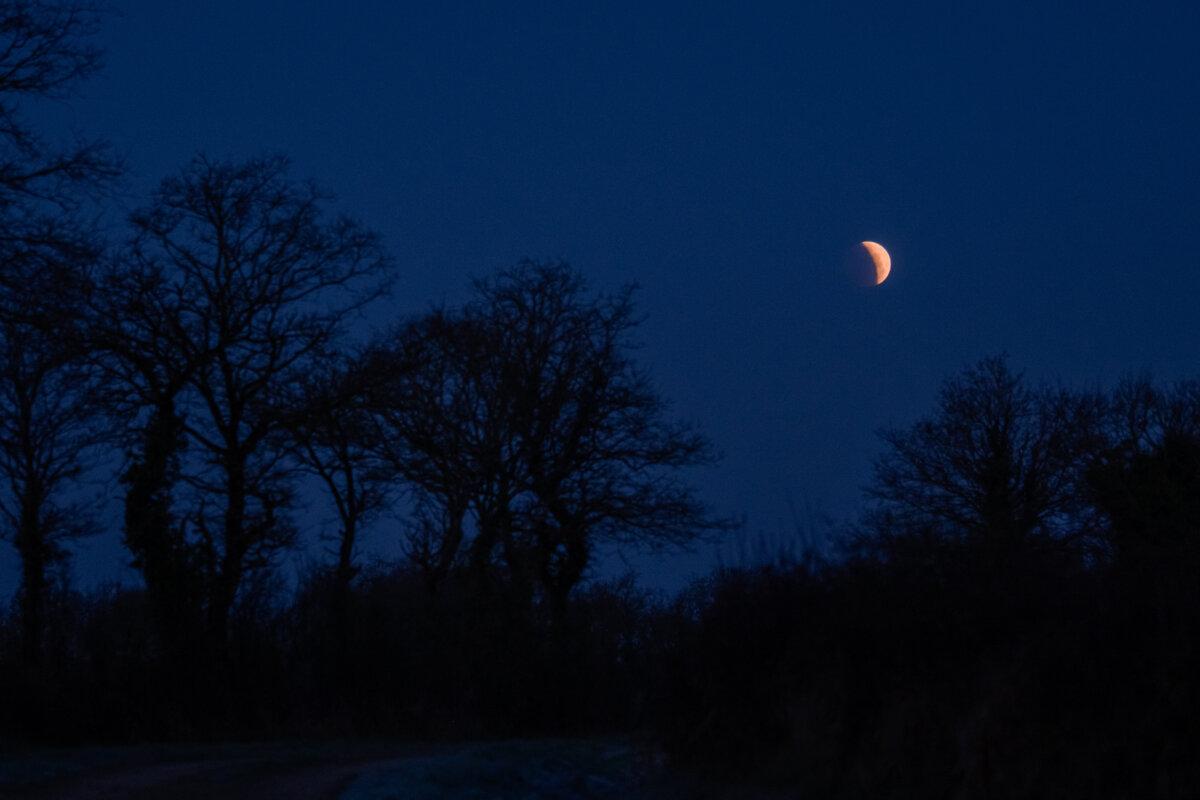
pixel 209 347
pixel 1016 612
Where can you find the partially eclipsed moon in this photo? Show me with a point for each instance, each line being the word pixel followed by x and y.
pixel 881 259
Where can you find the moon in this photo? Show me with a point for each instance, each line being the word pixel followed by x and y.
pixel 881 259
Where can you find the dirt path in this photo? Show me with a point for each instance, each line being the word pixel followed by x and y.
pixel 555 769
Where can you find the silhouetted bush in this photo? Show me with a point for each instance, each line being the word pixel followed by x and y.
pixel 407 665
pixel 1019 616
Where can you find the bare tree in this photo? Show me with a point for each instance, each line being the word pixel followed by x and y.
pixel 600 459
pixel 46 416
pixel 233 284
pixel 132 324
pixel 999 463
pixel 45 51
pixel 441 425
pixel 48 428
pixel 333 440
pixel 525 413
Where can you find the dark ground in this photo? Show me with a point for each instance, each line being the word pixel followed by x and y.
pixel 558 769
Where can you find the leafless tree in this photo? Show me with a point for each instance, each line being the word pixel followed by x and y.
pixel 441 424
pixel 600 459
pixel 48 430
pixel 132 324
pixel 235 281
pixel 525 412
pixel 46 252
pixel 333 438
pixel 999 463
pixel 46 50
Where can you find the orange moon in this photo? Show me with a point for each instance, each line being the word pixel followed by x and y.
pixel 881 259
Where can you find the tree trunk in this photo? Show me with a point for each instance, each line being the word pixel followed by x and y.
pixel 343 577
pixel 32 597
pixel 452 538
pixel 224 587
pixel 150 535
pixel 561 576
pixel 345 566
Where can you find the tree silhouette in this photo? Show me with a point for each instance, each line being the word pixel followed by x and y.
pixel 132 323
pixel 334 441
pixel 45 51
pixel 48 427
pixel 233 284
pixel 45 255
pixel 525 410
pixel 441 425
pixel 600 459
pixel 998 464
pixel 1146 483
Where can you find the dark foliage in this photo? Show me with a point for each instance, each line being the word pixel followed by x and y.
pixel 404 665
pixel 935 662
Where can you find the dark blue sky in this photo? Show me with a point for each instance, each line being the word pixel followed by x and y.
pixel 1033 171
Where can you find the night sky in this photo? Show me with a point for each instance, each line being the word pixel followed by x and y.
pixel 1033 171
